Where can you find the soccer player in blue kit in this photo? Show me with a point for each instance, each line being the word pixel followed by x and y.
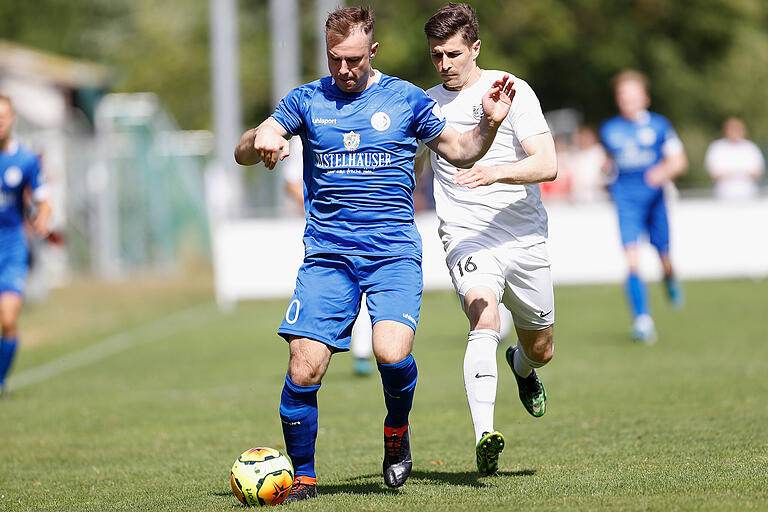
pixel 19 171
pixel 645 153
pixel 360 131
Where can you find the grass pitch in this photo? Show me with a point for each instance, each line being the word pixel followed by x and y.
pixel 151 419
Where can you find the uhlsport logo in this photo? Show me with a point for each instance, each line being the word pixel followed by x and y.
pixel 380 121
pixel 351 141
pixel 12 176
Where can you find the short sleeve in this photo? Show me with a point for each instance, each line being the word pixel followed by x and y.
pixel 525 115
pixel 290 111
pixel 428 120
pixel 37 186
pixel 672 144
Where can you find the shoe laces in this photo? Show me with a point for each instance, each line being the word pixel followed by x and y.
pixel 393 445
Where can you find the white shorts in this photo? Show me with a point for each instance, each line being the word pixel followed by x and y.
pixel 520 277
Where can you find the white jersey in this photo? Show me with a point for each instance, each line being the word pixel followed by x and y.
pixel 737 166
pixel 499 213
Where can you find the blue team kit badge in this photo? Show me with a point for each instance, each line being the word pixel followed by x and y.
pixel 380 121
pixel 351 141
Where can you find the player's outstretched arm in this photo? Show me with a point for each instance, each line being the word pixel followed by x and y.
pixel 540 165
pixel 266 143
pixel 464 149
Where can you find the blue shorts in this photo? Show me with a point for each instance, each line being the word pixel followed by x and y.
pixel 14 264
pixel 643 213
pixel 326 301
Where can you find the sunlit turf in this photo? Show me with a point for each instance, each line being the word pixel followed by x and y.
pixel 682 425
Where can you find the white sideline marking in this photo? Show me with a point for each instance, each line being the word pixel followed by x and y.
pixel 120 342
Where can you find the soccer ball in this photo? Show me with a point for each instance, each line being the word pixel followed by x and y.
pixel 261 477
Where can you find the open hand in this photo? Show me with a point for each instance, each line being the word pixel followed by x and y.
pixel 498 99
pixel 476 176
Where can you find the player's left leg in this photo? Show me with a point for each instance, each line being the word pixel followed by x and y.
pixel 392 345
pixel 10 306
pixel 658 231
pixel 530 298
pixel 534 350
pixel 393 287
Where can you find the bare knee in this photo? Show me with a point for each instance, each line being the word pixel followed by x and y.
pixel 308 361
pixel 482 310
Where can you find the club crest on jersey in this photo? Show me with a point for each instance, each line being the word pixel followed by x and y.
pixel 380 121
pixel 477 112
pixel 351 141
pixel 646 136
pixel 12 176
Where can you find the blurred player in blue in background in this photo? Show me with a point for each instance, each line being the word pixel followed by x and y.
pixel 360 130
pixel 19 172
pixel 645 153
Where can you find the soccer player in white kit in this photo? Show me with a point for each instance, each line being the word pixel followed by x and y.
pixel 493 226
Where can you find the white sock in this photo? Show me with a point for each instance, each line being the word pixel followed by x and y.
pixel 480 377
pixel 523 364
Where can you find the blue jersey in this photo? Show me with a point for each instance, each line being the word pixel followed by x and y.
pixel 635 146
pixel 358 163
pixel 19 170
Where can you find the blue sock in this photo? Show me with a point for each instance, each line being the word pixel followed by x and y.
pixel 7 350
pixel 298 413
pixel 637 295
pixel 399 381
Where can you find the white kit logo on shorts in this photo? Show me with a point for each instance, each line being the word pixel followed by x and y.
pixel 12 176
pixel 380 121
pixel 646 136
pixel 351 141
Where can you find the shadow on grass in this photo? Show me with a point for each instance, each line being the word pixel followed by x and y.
pixel 373 483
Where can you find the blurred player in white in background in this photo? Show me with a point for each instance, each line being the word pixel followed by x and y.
pixel 735 163
pixel 587 161
pixel 493 226
pixel 292 170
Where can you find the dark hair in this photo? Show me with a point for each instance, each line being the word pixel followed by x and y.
pixel 451 19
pixel 343 21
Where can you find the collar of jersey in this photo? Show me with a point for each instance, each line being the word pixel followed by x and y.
pixel 376 79
pixel 13 148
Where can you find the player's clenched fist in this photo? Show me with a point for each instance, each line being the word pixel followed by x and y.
pixel 270 146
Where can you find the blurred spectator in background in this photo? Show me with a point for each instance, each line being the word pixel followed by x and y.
pixel 645 153
pixel 735 163
pixel 588 181
pixel 19 172
pixel 559 188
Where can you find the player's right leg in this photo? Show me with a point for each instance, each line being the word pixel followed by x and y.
pixel 643 328
pixel 308 363
pixel 318 322
pixel 10 306
pixel 479 282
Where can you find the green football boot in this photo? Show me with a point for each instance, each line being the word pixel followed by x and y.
pixel 488 449
pixel 531 390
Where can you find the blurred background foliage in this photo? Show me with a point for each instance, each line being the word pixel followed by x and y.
pixel 706 59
